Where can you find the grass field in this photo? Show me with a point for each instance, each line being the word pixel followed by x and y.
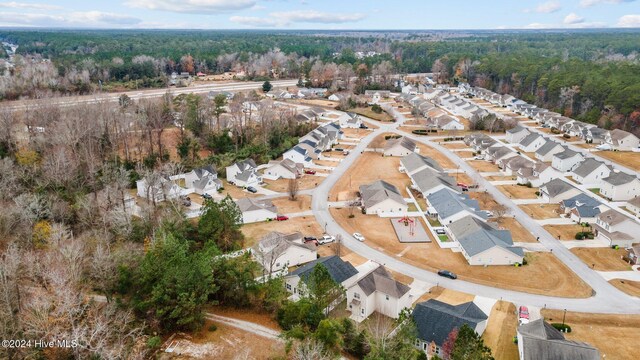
pixel 304 183
pixel 372 115
pixel 518 192
pixel 436 155
pixel 602 259
pixel 624 158
pixel 565 232
pixel 286 206
pixel 501 328
pixel 541 211
pixel 483 166
pixel 305 224
pixel 630 287
pixel 518 232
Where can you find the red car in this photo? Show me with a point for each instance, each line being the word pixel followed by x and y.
pixel 310 172
pixel 523 312
pixel 281 218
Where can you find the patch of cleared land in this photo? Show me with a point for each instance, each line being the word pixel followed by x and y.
pixel 436 155
pixel 624 158
pixel 446 295
pixel 368 168
pixel 500 178
pixel 304 183
pixel 305 224
pixel 372 115
pixel 501 328
pixel 464 154
pixel 518 232
pixel 541 211
pixel 518 192
pixel 456 145
pixel 552 277
pixel 357 133
pixel 566 232
pixel 236 192
pixel 604 259
pixel 616 336
pixel 484 199
pixel 483 166
pixel 286 206
pixel 630 287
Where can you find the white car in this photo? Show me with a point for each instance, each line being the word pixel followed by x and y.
pixel 358 236
pixel 326 239
pixel 604 147
pixel 479 157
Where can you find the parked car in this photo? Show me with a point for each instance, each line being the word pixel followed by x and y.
pixel 478 157
pixel 604 147
pixel 345 152
pixel 185 200
pixel 206 196
pixel 282 218
pixel 310 238
pixel 462 185
pixel 338 149
pixel 252 190
pixel 523 312
pixel 447 274
pixel 310 172
pixel 363 126
pixel 326 239
pixel 440 231
pixel 358 236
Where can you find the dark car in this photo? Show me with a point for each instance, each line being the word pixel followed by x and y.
pixel 310 172
pixel 206 196
pixel 310 238
pixel 252 190
pixel 363 126
pixel 447 274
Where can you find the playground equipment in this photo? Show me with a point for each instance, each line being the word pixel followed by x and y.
pixel 410 223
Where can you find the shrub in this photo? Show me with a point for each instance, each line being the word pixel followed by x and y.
pixel 212 327
pixel 562 327
pixel 154 342
pixel 376 109
pixel 420 132
pixel 537 193
pixel 566 136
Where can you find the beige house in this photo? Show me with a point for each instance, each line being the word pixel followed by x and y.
pixel 400 147
pixel 380 197
pixel 616 228
pixel 378 292
pixel 620 186
pixel 557 190
pixel 277 251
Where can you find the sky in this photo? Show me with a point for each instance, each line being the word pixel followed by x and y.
pixel 322 14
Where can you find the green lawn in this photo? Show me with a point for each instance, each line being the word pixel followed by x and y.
pixel 434 222
pixel 412 207
pixel 443 238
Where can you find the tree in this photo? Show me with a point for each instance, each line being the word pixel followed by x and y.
pixel 310 349
pixel 220 224
pixel 323 290
pixel 220 102
pixel 355 342
pixel 499 211
pixel 266 86
pixel 448 345
pixel 469 345
pixel 393 340
pixel 292 189
pixel 328 333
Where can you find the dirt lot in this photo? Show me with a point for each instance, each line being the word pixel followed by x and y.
pixel 318 102
pixel 624 158
pixel 305 224
pixel 518 232
pixel 436 155
pixel 518 192
pixel 368 168
pixel 485 200
pixel 446 295
pixel 356 133
pixel 566 232
pixel 501 328
pixel 616 336
pixel 553 277
pixel 456 145
pixel 464 154
pixel 367 112
pixel 541 211
pixel 630 287
pixel 286 206
pixel 483 166
pixel 139 147
pixel 604 259
pixel 304 183
pixel 500 178
pixel 236 192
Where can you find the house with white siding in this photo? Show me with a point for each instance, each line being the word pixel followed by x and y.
pixel 546 152
pixel 590 172
pixel 566 160
pixel 633 205
pixel 277 251
pixel 532 142
pixel 285 169
pixel 203 180
pixel 620 186
pixel 622 140
pixel 380 197
pixel 340 271
pixel 537 175
pixel 616 228
pixel 256 210
pixel 378 292
pixel 557 190
pixel 450 206
pixel 516 134
pixel 414 162
pixel 402 146
pixel 243 173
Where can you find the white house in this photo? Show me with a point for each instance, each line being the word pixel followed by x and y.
pixel 539 340
pixel 616 228
pixel 342 272
pixel 548 150
pixel 277 251
pixel 350 120
pixel 499 152
pixel 402 146
pixel 203 180
pixel 590 172
pixel 380 197
pixel 413 163
pixel 247 165
pixel 633 205
pixel 298 155
pixel 256 210
pixel 622 140
pixel 158 190
pixel 429 181
pixel 537 175
pixel 511 166
pixel 285 169
pixel 557 190
pixel 450 206
pixel 532 142
pixel 515 135
pixel 620 186
pixel 566 160
pixel 378 291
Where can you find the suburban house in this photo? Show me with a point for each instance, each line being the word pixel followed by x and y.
pixel 378 291
pixel 539 174
pixel 376 95
pixel 380 197
pixel 620 186
pixel 532 142
pixel 435 320
pixel 285 169
pixel 566 160
pixel 350 120
pixel 450 206
pixel 548 150
pixel 591 172
pixel 582 208
pixel 483 244
pixel 298 155
pixel 539 340
pixel 277 251
pixel 498 152
pixel 414 162
pixel 159 190
pixel 557 190
pixel 203 180
pixel 338 96
pixel 633 254
pixel 515 135
pixel 243 173
pixel 622 140
pixel 594 135
pixel 342 272
pixel 402 146
pixel 256 210
pixel 633 205
pixel 428 181
pixel 616 228
pixel 512 165
pixel 444 122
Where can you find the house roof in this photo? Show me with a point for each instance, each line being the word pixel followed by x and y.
pixel 529 139
pixel 201 183
pixel 556 187
pixel 378 192
pixel 403 142
pixel 543 341
pixel 415 161
pixel 547 147
pixel 339 270
pixel 245 175
pixel 587 166
pixel 428 179
pixel 448 203
pixel 246 164
pixel 585 205
pixel 517 129
pixel 477 236
pixel 277 242
pixel 567 154
pixel 612 217
pixel 617 135
pixel 291 165
pixel 382 281
pixel 635 201
pixel 206 170
pixel 249 204
pixel 518 162
pixel 619 178
pixel 435 319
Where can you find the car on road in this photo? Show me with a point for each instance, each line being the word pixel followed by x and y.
pixel 447 274
pixel 358 236
pixel 523 313
pixel 326 239
pixel 282 218
pixel 489 213
pixel 338 149
pixel 206 196
pixel 440 231
pixel 252 190
pixel 310 172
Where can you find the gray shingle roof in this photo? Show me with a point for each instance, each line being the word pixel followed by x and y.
pixel 415 161
pixel 517 129
pixel 381 280
pixel 547 147
pixel 378 192
pixel 249 204
pixel 543 341
pixel 428 179
pixel 245 175
pixel 529 139
pixel 619 178
pixel 339 270
pixel 448 203
pixel 566 154
pixel 435 319
pixel 587 166
pixel 556 187
pixel 476 236
pixel 584 204
pixel 403 142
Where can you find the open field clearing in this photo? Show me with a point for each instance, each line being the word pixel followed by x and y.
pixel 305 224
pixel 602 259
pixel 367 112
pixel 358 133
pixel 501 328
pixel 456 145
pixel 564 232
pixel 304 183
pixel 624 158
pixel 541 211
pixel 552 277
pixel 630 287
pixel 616 336
pixel 236 192
pixel 518 232
pixel 286 206
pixel 446 295
pixel 483 166
pixel 486 201
pixel 518 191
pixel 436 155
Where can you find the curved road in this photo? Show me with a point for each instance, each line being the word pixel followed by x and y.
pixel 607 298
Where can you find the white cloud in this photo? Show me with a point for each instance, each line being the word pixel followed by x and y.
pixel 192 6
pixel 18 5
pixel 548 7
pixel 573 18
pixel 539 26
pixel 75 19
pixel 629 21
pixel 286 18
pixel 588 3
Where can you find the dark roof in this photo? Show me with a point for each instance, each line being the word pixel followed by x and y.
pixel 540 340
pixel 381 280
pixel 435 319
pixel 338 269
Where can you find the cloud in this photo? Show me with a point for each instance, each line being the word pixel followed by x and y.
pixel 546 7
pixel 573 18
pixel 629 21
pixel 75 19
pixel 286 18
pixel 588 3
pixel 17 5
pixel 192 6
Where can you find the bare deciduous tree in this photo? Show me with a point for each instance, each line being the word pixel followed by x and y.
pixel 293 188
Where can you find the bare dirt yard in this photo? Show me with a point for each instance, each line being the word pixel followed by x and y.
pixel 446 296
pixel 483 166
pixel 485 200
pixel 304 183
pixel 630 287
pixel 616 336
pixel 518 232
pixel 356 133
pixel 464 154
pixel 367 112
pixel 501 328
pixel 436 155
pixel 553 277
pixel 541 211
pixel 286 206
pixel 368 168
pixel 305 224
pixel 565 232
pixel 624 158
pixel 456 145
pixel 603 259
pixel 236 192
pixel 518 192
